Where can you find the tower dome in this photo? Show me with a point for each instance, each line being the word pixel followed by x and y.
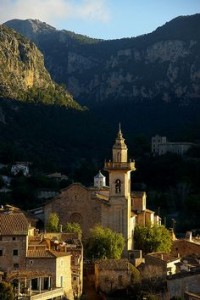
pixel 99 180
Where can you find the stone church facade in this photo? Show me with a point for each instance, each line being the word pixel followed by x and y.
pixel 113 206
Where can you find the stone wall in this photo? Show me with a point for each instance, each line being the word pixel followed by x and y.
pixel 178 285
pixel 76 204
pixel 10 260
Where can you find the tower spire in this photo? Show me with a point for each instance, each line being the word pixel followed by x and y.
pixel 119 135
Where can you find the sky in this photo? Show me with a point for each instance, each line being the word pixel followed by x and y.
pixel 104 19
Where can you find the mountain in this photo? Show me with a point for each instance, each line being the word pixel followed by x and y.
pixel 163 66
pixel 23 75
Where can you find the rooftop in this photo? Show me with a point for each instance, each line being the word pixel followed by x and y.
pixel 45 253
pixel 167 257
pixel 112 264
pixel 13 223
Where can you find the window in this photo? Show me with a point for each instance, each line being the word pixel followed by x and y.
pixel 1 252
pixel 117 186
pixel 15 252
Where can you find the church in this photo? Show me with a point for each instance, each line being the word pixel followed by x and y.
pixel 113 206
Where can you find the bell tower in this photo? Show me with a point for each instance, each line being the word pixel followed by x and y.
pixel 120 219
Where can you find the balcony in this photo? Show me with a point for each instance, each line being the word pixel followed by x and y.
pixel 129 166
pixel 43 295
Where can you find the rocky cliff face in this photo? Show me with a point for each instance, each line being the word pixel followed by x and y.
pixel 161 66
pixel 23 74
pixel 22 65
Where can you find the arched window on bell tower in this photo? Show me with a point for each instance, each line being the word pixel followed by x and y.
pixel 117 186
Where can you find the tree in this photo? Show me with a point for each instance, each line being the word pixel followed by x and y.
pixel 52 223
pixel 6 291
pixel 152 239
pixel 104 243
pixel 73 227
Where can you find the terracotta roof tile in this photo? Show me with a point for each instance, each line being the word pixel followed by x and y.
pixel 112 264
pixel 13 224
pixel 42 253
pixel 39 254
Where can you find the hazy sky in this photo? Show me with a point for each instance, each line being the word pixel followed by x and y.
pixel 106 19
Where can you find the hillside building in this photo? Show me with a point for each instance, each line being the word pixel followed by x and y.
pixel 41 266
pixel 20 167
pixel 160 146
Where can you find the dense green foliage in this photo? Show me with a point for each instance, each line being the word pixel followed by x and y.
pixel 6 291
pixel 152 239
pixel 52 223
pixel 73 228
pixel 104 243
pixel 53 95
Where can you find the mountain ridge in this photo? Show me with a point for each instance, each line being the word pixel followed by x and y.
pixel 162 66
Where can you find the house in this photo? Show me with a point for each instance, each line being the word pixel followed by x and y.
pixel 71 244
pixel 46 194
pixel 189 263
pixel 29 261
pixel 184 247
pixel 112 275
pixel 57 176
pixel 160 146
pixel 20 167
pixel 160 264
pixel 185 285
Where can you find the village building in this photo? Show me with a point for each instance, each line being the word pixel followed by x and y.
pixel 160 264
pixel 186 246
pixel 57 176
pixel 20 167
pixel 112 275
pixel 41 266
pixel 113 206
pixel 160 146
